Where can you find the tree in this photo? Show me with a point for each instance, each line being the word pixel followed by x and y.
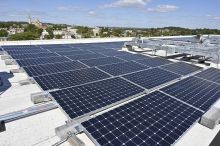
pixel 117 32
pixel 3 33
pixel 104 32
pixel 85 32
pixel 50 31
pixel 24 36
pixel 32 28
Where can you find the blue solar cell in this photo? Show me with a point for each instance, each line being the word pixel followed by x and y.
pixel 122 68
pixel 197 92
pixel 73 53
pixel 77 101
pixel 63 49
pixel 133 57
pixel 38 61
pixel 86 56
pixel 28 51
pixel 70 78
pixel 102 61
pixel 114 53
pixel 151 78
pixel 211 74
pixel 182 68
pixel 155 119
pixel 53 68
pixel 32 56
pixel 154 62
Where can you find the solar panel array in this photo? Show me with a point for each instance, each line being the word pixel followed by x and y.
pixel 197 92
pixel 93 77
pixel 152 78
pixel 70 78
pixel 154 62
pixel 39 61
pixel 102 61
pixel 182 68
pixel 122 68
pixel 211 74
pixel 155 119
pixel 77 101
pixel 86 56
pixel 32 56
pixel 53 68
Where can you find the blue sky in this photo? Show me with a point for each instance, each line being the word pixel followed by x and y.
pixel 124 13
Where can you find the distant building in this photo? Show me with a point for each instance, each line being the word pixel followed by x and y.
pixel 12 31
pixel 96 31
pixel 58 32
pixel 3 39
pixel 37 23
pixel 44 33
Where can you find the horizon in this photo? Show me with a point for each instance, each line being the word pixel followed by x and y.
pixel 131 13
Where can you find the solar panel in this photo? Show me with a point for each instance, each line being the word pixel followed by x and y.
pixel 155 119
pixel 38 61
pixel 53 68
pixel 70 78
pixel 182 68
pixel 114 53
pixel 154 62
pixel 34 51
pixel 151 78
pixel 197 92
pixel 63 49
pixel 32 56
pixel 133 57
pixel 86 56
pixel 77 101
pixel 102 61
pixel 211 74
pixel 122 68
pixel 73 53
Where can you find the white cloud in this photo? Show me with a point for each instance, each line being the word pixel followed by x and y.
pixel 92 13
pixel 68 8
pixel 126 3
pixel 163 8
pixel 213 17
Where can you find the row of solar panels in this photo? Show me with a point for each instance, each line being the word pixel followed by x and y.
pixel 29 49
pixel 159 118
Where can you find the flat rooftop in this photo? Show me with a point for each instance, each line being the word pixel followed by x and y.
pixel 39 129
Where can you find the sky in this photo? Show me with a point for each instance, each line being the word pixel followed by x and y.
pixel 119 13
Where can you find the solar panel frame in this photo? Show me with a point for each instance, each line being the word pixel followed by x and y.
pixel 197 92
pixel 99 89
pixel 147 126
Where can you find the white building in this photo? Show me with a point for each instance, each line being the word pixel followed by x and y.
pixel 43 34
